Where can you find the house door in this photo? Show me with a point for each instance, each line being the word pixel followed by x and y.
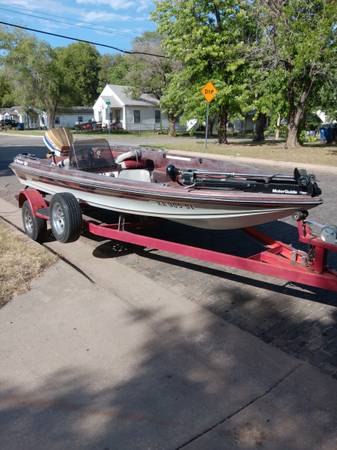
pixel 118 115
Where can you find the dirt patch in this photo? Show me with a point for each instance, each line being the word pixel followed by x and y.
pixel 21 260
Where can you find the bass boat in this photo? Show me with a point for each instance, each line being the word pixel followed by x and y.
pixel 196 191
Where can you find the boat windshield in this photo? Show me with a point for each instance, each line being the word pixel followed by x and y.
pixel 93 154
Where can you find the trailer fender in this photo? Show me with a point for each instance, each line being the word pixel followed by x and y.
pixel 34 197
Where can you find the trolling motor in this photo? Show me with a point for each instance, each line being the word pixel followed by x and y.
pixel 299 184
pixel 307 182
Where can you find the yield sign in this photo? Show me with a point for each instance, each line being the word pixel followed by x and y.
pixel 209 91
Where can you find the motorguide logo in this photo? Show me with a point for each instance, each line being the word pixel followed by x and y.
pixel 286 191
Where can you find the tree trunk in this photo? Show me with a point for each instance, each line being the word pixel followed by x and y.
pixel 295 119
pixel 296 113
pixel 172 125
pixel 278 125
pixel 222 128
pixel 51 112
pixel 292 138
pixel 260 127
pixel 210 126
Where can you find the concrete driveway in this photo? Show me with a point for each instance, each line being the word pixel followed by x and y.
pixel 148 351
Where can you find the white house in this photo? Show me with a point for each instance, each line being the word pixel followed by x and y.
pixel 35 118
pixel 324 117
pixel 69 117
pixel 116 105
pixel 29 116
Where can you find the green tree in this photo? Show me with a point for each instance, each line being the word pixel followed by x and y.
pixel 7 97
pixel 173 100
pixel 207 37
pixel 142 73
pixel 47 78
pixel 151 74
pixel 34 70
pixel 148 74
pixel 325 98
pixel 113 70
pixel 297 53
pixel 80 65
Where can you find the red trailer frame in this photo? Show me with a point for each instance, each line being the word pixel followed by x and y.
pixel 278 259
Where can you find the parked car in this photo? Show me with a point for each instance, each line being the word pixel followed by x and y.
pixel 8 123
pixel 88 126
pixel 113 125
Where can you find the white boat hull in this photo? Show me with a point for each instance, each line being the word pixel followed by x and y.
pixel 220 218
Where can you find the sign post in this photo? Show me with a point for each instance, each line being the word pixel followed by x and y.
pixel 108 103
pixel 209 91
pixel 206 131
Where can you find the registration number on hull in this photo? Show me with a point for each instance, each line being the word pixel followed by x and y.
pixel 176 205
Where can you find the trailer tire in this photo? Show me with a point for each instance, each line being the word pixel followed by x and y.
pixel 34 227
pixel 65 217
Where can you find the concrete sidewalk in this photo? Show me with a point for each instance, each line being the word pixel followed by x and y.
pixel 115 361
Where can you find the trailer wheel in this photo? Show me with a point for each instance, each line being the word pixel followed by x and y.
pixel 34 227
pixel 65 217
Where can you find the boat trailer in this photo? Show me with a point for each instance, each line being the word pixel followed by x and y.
pixel 277 259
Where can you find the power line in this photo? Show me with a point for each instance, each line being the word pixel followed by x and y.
pixel 62 21
pixel 81 40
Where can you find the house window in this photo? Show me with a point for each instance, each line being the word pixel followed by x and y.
pixel 80 119
pixel 136 116
pixel 57 120
pixel 157 116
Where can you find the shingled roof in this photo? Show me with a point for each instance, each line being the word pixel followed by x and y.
pixel 123 93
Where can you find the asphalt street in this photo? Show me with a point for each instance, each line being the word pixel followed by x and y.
pixel 298 320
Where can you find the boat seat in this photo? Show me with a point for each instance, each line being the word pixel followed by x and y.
pixel 134 154
pixel 135 175
pixel 129 164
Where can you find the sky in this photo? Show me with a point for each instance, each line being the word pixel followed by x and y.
pixel 111 22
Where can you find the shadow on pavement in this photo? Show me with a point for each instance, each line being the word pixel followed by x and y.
pixel 234 242
pixel 182 383
pixel 298 319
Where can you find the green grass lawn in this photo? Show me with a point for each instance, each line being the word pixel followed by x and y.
pixel 308 153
